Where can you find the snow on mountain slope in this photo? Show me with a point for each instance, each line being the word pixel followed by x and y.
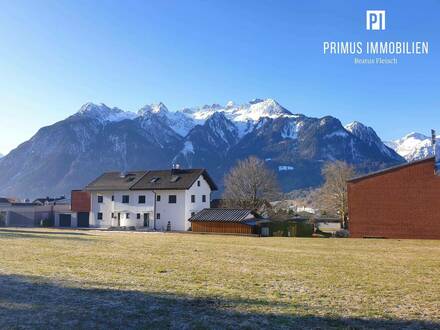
pixel 73 151
pixel 103 113
pixel 178 121
pixel 252 111
pixel 243 116
pixel 413 146
pixel 369 136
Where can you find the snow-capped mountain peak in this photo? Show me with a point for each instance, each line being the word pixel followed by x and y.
pixel 357 126
pixel 230 104
pixel 103 113
pixel 415 136
pixel 178 121
pixel 153 108
pixel 369 136
pixel 365 133
pixel 413 146
pixel 260 108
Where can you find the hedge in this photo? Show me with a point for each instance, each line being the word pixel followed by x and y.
pixel 290 229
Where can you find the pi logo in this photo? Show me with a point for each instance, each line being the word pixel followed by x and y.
pixel 375 19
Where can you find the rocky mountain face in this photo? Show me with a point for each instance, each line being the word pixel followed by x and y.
pixel 413 146
pixel 72 152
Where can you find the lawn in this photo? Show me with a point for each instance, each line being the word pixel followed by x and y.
pixel 91 279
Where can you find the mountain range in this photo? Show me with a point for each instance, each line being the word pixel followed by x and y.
pixel 70 153
pixel 413 146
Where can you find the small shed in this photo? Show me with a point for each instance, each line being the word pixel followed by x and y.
pixel 221 220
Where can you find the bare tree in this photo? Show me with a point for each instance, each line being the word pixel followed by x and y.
pixel 250 184
pixel 333 194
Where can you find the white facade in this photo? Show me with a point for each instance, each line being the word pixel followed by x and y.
pixel 109 210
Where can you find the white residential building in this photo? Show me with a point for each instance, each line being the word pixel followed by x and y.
pixel 160 199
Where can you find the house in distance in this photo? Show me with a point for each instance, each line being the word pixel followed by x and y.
pixel 157 199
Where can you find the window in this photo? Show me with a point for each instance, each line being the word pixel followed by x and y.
pixel 125 199
pixel 158 216
pixel 158 198
pixel 138 216
pixel 198 183
pixel 193 198
pixel 99 216
pixel 141 199
pixel 172 199
pixel 113 198
pixel 127 215
pixel 193 213
pixel 204 198
pixel 113 215
pixel 100 198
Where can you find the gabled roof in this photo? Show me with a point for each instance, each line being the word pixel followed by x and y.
pixel 115 181
pixel 49 200
pixel 223 215
pixel 179 179
pixel 391 169
pixel 4 200
pixel 172 179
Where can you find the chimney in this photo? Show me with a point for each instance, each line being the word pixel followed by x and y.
pixel 177 166
pixel 122 174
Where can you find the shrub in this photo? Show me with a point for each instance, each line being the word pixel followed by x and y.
pixel 304 230
pixel 342 233
pixel 290 229
pixel 282 228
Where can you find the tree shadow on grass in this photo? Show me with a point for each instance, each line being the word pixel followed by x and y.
pixel 33 302
pixel 38 234
pixel 45 232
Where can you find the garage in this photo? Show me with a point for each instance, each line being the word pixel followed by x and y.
pixel 65 220
pixel 83 219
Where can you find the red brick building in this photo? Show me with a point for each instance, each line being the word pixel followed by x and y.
pixel 400 202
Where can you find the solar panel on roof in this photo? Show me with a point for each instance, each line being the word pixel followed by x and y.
pixel 155 179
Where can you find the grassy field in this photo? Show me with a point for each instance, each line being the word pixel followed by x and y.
pixel 83 279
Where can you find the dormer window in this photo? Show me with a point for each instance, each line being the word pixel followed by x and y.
pixel 174 178
pixel 154 179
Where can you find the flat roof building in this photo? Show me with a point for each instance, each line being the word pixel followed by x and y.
pixel 399 202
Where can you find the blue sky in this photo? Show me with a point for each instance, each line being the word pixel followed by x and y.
pixel 57 55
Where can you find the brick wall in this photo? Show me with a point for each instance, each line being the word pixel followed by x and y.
pixel 80 201
pixel 400 203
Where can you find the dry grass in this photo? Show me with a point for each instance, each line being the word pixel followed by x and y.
pixel 83 279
